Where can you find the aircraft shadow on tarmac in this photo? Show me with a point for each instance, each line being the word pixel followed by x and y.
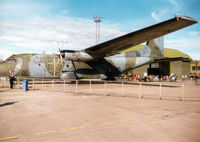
pixel 6 104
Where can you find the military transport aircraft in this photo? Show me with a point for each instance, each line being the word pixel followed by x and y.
pixel 101 61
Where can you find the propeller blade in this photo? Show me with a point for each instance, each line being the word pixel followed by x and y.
pixel 63 44
pixel 58 44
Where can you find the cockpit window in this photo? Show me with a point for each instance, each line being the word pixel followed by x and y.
pixel 10 59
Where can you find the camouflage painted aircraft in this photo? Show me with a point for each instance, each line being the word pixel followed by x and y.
pixel 102 61
pixel 32 65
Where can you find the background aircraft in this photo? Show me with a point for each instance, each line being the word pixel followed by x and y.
pixel 102 61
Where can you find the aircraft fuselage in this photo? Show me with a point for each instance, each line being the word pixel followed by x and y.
pixel 38 65
pixel 105 68
pixel 31 65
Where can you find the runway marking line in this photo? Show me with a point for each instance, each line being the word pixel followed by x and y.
pixel 107 123
pixel 167 113
pixel 150 116
pixel 78 128
pixel 131 119
pixel 9 138
pixel 47 132
pixel 195 108
pixel 182 110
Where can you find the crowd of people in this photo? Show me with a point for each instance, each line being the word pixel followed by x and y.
pixel 138 77
pixel 170 78
pixel 166 78
pixel 194 76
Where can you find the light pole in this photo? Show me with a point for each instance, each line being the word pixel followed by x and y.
pixel 97 20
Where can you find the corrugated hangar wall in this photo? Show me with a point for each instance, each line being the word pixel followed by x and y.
pixel 141 70
pixel 176 67
pixel 180 68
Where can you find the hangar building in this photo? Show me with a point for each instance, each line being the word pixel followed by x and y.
pixel 195 67
pixel 177 63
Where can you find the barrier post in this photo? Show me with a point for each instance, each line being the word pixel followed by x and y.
pixel 64 86
pixel 42 85
pixel 140 91
pixel 3 83
pixel 17 84
pixel 160 91
pixel 33 84
pixel 105 88
pixel 122 89
pixel 90 87
pixel 183 92
pixel 53 85
pixel 76 89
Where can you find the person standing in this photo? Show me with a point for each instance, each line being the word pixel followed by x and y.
pixel 186 78
pixel 183 78
pixel 11 77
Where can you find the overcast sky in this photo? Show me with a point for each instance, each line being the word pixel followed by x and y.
pixel 33 26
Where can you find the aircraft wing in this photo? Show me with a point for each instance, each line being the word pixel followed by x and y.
pixel 118 44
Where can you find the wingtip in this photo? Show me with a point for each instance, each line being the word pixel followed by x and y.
pixel 187 18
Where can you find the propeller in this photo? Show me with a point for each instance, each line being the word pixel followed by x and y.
pixel 63 42
pixel 60 51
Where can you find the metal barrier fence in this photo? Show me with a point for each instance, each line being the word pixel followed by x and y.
pixel 160 90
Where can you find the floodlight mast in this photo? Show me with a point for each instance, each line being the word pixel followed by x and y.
pixel 97 20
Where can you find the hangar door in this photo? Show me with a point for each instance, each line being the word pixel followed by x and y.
pixel 161 69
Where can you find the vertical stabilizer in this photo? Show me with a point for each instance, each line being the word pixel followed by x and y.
pixel 157 47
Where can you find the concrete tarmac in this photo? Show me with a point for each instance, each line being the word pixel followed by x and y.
pixel 46 116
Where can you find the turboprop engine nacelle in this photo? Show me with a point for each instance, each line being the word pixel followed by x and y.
pixel 77 56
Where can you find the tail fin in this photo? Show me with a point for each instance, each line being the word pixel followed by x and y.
pixel 157 47
pixel 153 49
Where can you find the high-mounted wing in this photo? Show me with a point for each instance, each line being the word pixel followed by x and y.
pixel 116 45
